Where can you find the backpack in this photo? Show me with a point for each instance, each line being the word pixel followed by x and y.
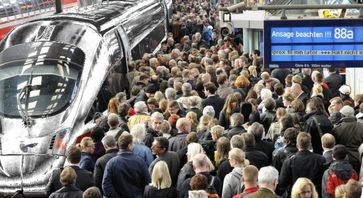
pixel 211 191
pixel 334 181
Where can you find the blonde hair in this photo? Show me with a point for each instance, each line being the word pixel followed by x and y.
pixel 192 117
pixel 317 90
pixel 238 155
pixel 217 130
pixel 68 176
pixel 203 123
pixel 85 142
pixel 300 184
pixel 160 176
pixel 340 190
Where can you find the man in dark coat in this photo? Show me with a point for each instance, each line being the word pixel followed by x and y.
pixel 257 130
pixel 126 174
pixel 84 177
pixel 256 157
pixel 350 134
pixel 303 164
pixel 110 145
pixel 154 130
pixel 160 149
pixel 334 81
pixel 213 100
pixel 178 142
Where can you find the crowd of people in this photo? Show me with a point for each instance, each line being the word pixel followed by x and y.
pixel 202 118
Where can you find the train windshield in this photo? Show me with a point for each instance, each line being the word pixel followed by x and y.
pixel 39 85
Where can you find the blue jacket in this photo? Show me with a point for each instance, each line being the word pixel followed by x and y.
pixel 87 162
pixel 126 176
pixel 144 152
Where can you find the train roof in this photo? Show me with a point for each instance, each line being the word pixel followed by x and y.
pixel 106 15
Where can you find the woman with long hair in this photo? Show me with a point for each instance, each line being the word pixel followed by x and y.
pixel 230 106
pixel 304 188
pixel 160 185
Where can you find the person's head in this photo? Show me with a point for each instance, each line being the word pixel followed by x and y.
pixel 87 145
pixel 268 176
pixel 237 142
pixel 241 82
pixel 121 97
pixel 68 176
pixel 113 120
pixel 336 104
pixel 269 104
pixel 236 119
pixel 92 192
pixel 160 146
pixel 353 189
pixel 303 141
pixel 170 93
pixel 210 88
pixel 140 107
pixel 160 177
pixel 290 135
pixel 265 94
pixel 216 132
pixel 297 106
pixel 173 107
pixel 223 147
pixel 138 133
pixel 287 98
pixel 340 191
pixel 109 142
pixel 237 158
pixel 249 139
pixel 74 155
pixel 340 152
pixel 304 188
pixel 315 104
pixel 344 90
pixel 200 163
pixel 209 110
pixel 125 141
pixel 156 120
pixel 97 134
pixel 187 89
pixel 183 125
pixel 123 109
pixel 257 130
pixel 296 90
pixel 347 111
pixel 327 141
pixel 198 182
pixel 194 149
pixel 249 176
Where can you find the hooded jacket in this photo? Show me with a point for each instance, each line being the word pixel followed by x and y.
pixel 232 183
pixel 339 172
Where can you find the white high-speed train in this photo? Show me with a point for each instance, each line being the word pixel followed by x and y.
pixel 52 70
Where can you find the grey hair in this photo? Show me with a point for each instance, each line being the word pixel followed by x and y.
pixel 138 133
pixel 257 130
pixel 121 95
pixel 209 110
pixel 140 107
pixel 187 89
pixel 265 93
pixel 113 120
pixel 157 116
pixel 170 93
pixel 109 141
pixel 268 175
pixel 194 149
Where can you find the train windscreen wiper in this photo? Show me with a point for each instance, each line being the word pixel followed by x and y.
pixel 24 94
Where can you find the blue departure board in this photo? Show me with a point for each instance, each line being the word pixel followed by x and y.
pixel 313 43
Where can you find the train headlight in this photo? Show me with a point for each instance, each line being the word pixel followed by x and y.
pixel 58 142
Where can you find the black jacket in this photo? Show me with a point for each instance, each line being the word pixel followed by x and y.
pixel 67 192
pixel 84 180
pixel 256 157
pixel 310 127
pixel 216 102
pixel 238 130
pixel 265 147
pixel 267 118
pixel 150 135
pixel 303 164
pixel 101 165
pixel 178 142
pixel 349 132
pixel 152 192
pixel 282 154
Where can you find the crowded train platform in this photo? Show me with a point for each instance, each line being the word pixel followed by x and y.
pixel 201 118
